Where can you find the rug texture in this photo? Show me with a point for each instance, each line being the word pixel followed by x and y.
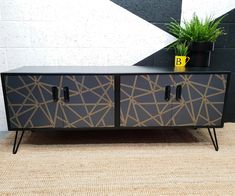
pixel 137 162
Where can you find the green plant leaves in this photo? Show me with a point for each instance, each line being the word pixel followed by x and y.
pixel 181 49
pixel 196 30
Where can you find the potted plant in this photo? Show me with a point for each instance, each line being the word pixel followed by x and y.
pixel 181 52
pixel 200 35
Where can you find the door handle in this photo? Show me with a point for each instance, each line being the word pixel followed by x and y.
pixel 178 92
pixel 66 94
pixel 167 93
pixel 54 90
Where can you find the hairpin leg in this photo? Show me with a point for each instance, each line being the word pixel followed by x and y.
pixel 17 143
pixel 214 140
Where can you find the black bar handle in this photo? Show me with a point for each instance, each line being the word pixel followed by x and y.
pixel 54 90
pixel 167 93
pixel 66 94
pixel 178 92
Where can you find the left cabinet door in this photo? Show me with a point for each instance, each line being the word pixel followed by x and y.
pixel 88 100
pixel 31 103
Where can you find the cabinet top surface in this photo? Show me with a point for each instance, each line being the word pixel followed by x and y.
pixel 112 70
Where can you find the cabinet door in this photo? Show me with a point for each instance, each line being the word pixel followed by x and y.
pixel 30 103
pixel 202 100
pixel 91 101
pixel 142 100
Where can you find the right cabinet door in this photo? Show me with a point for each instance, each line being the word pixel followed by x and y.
pixel 145 100
pixel 198 99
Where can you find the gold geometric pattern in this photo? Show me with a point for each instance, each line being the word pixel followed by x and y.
pixel 202 100
pixel 30 103
pixel 201 103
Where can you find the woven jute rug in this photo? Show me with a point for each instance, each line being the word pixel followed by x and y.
pixel 137 162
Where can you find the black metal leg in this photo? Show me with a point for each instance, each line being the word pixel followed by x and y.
pixel 17 144
pixel 214 140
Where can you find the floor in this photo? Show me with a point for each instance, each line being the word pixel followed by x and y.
pixel 3 134
pixel 137 162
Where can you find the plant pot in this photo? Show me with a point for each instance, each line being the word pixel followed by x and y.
pixel 200 54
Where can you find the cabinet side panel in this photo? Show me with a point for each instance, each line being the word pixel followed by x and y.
pixel 143 100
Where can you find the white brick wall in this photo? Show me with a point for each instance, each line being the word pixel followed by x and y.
pixel 213 8
pixel 73 32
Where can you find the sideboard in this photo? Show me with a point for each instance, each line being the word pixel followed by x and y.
pixel 115 97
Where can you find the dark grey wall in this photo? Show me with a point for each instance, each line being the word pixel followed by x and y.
pixel 159 12
pixel 224 56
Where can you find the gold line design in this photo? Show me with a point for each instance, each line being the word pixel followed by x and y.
pixel 30 103
pixel 201 102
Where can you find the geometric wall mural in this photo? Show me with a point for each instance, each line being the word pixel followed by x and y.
pixel 30 98
pixel 79 33
pixel 143 100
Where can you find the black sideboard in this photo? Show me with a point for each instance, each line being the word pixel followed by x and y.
pixel 119 97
